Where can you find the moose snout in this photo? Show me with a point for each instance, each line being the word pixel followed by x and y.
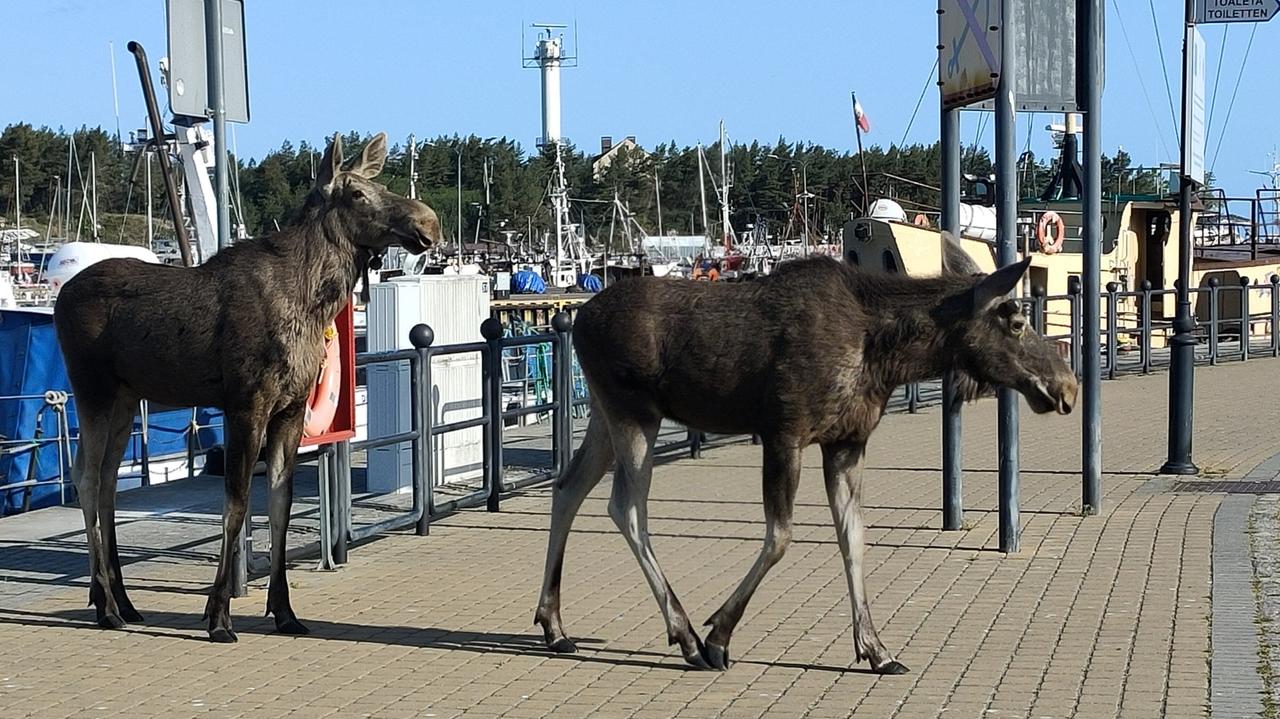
pixel 1065 390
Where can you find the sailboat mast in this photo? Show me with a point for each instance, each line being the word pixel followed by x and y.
pixel 724 189
pixel 702 191
pixel 413 168
pixel 150 227
pixel 93 186
pixel 17 193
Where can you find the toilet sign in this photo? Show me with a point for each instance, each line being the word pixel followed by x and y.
pixel 1236 10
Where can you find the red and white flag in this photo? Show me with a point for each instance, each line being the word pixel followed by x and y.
pixel 864 124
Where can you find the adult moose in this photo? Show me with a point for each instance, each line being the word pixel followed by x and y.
pixel 242 332
pixel 807 355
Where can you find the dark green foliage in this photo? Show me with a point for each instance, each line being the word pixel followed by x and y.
pixel 766 181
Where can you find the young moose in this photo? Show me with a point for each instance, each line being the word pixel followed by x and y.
pixel 242 332
pixel 807 355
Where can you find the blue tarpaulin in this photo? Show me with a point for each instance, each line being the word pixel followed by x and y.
pixel 590 283
pixel 30 365
pixel 527 282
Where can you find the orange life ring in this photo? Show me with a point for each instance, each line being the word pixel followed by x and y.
pixel 322 405
pixel 920 220
pixel 1050 245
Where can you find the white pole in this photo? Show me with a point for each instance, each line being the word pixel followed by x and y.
pixel 17 193
pixel 702 190
pixel 459 209
pixel 657 193
pixel 413 168
pixel 93 182
pixel 724 189
pixel 150 229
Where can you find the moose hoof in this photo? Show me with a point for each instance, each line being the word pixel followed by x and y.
pixel 718 656
pixel 696 655
pixel 563 645
pixel 222 635
pixel 892 667
pixel 292 626
pixel 131 615
pixel 111 621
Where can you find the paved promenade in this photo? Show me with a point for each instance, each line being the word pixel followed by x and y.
pixel 1113 615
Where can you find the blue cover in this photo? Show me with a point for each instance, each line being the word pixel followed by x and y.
pixel 527 282
pixel 31 364
pixel 590 283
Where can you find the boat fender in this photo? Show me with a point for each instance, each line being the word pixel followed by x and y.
pixel 1050 244
pixel 322 405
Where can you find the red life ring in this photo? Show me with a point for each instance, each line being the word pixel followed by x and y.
pixel 1052 244
pixel 322 405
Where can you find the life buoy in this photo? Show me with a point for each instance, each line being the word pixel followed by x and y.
pixel 1051 244
pixel 920 220
pixel 322 405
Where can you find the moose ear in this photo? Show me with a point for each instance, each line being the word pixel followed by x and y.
pixel 331 163
pixel 955 261
pixel 996 286
pixel 375 155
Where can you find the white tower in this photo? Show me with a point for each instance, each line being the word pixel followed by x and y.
pixel 549 56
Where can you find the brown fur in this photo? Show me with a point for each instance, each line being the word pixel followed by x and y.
pixel 810 354
pixel 241 332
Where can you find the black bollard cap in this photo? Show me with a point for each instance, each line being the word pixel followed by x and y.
pixel 421 336
pixel 562 322
pixel 491 329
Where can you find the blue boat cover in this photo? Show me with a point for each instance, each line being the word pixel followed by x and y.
pixel 527 282
pixel 590 283
pixel 30 365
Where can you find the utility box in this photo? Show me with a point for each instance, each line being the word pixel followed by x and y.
pixel 454 306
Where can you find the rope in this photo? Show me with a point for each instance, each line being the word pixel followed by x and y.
pixel 919 100
pixel 1164 67
pixel 1151 108
pixel 1231 105
pixel 1217 80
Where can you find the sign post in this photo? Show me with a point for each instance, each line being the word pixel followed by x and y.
pixel 1209 11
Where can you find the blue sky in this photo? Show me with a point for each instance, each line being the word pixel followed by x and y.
pixel 659 70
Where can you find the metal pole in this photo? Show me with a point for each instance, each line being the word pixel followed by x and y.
pixel 1007 253
pixel 491 330
pixel 657 194
pixel 218 110
pixel 1089 55
pixel 162 152
pixel 150 193
pixel 1182 353
pixel 459 209
pixel 952 439
pixel 17 193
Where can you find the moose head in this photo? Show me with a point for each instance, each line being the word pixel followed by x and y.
pixel 367 212
pixel 991 340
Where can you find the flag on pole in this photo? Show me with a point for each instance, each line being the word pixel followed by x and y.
pixel 864 124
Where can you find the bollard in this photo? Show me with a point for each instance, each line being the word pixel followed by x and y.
pixel 421 337
pixel 1038 320
pixel 1244 318
pixel 1275 315
pixel 1113 341
pixel 1213 320
pixel 491 330
pixel 562 387
pixel 1077 342
pixel 1146 326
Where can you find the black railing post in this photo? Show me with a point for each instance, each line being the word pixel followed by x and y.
pixel 1244 318
pixel 1038 320
pixel 1077 337
pixel 340 473
pixel 491 330
pixel 952 464
pixel 1145 327
pixel 1113 316
pixel 1275 315
pixel 913 397
pixel 421 337
pixel 562 387
pixel 1213 320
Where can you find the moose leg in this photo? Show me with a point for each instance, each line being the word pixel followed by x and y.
pixel 842 469
pixel 633 445
pixel 244 440
pixel 121 427
pixel 586 469
pixel 85 474
pixel 284 432
pixel 781 478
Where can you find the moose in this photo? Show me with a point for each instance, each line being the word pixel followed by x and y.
pixel 809 354
pixel 242 332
